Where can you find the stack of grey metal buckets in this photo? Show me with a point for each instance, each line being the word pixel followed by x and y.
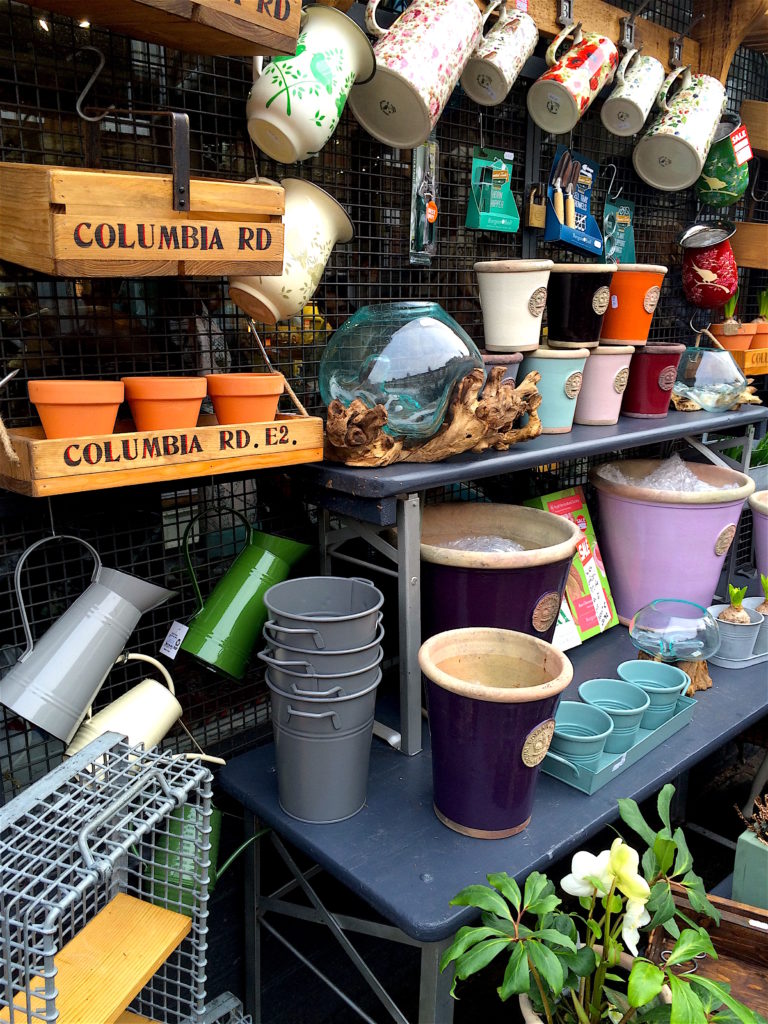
pixel 324 655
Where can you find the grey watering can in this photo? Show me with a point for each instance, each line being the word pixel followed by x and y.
pixel 56 678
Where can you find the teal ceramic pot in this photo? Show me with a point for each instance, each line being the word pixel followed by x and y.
pixel 624 702
pixel 723 181
pixel 561 376
pixel 663 683
pixel 581 731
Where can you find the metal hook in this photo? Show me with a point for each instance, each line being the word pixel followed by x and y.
pixel 676 43
pixel 627 40
pixel 480 122
pixel 698 330
pixel 89 85
pixel 613 179
pixel 764 196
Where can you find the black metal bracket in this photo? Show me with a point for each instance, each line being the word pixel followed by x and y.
pixel 565 13
pixel 180 160
pixel 676 44
pixel 627 38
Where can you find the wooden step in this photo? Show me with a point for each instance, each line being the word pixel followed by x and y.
pixel 109 961
pixel 129 1017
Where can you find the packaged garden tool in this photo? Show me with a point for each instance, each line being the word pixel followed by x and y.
pixel 569 194
pixel 618 231
pixel 491 201
pixel 424 203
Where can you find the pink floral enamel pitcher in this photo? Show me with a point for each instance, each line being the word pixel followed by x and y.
pixel 419 60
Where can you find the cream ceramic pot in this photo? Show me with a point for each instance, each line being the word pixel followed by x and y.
pixel 604 380
pixel 314 223
pixel 418 62
pixel 513 294
pixel 499 58
pixel 296 102
pixel 638 80
pixel 671 154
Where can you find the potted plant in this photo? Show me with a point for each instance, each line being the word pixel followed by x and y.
pixel 738 625
pixel 732 333
pixel 563 965
pixel 760 339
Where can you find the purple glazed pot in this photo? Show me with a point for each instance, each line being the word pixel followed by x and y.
pixel 759 505
pixel 491 698
pixel 682 536
pixel 519 590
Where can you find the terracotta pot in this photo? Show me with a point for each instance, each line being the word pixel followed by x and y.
pixel 738 341
pixel 164 403
pixel 76 408
pixel 245 397
pixel 760 337
pixel 635 290
pixel 577 299
pixel 561 376
pixel 603 384
pixel 651 379
pixel 513 294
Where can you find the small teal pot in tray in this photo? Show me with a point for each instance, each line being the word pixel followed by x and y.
pixel 663 683
pixel 580 732
pixel 624 702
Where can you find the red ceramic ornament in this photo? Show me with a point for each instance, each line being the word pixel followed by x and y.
pixel 710 274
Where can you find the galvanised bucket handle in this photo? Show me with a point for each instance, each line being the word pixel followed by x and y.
pixel 185 544
pixel 334 692
pixel 315 714
pixel 304 631
pixel 308 669
pixel 17 580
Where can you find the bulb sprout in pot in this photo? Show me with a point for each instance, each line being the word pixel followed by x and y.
pixel 735 612
pixel 763 606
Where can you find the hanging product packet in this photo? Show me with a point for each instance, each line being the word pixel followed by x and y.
pixel 569 199
pixel 492 205
pixel 424 209
pixel 619 231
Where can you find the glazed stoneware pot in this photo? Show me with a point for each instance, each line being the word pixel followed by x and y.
pixel 566 91
pixel 710 275
pixel 577 300
pixel 637 83
pixel 561 376
pixel 510 360
pixel 758 502
pixel 603 384
pixel 723 180
pixel 245 397
pixel 519 590
pixel 671 154
pixel 314 223
pixel 513 294
pixel 76 408
pixel 296 101
pixel 164 403
pixel 499 58
pixel 634 296
pixel 685 534
pixel 652 376
pixel 491 698
pixel 419 60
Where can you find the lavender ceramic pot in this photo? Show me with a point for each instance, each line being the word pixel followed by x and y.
pixel 519 590
pixel 759 505
pixel 491 699
pixel 683 536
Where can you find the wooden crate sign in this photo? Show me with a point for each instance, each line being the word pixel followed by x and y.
pixel 753 361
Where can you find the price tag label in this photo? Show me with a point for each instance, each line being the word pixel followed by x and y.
pixel 742 150
pixel 173 640
pixel 619 764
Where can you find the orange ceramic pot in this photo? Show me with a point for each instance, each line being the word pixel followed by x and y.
pixel 245 397
pixel 760 337
pixel 635 289
pixel 738 342
pixel 76 408
pixel 164 403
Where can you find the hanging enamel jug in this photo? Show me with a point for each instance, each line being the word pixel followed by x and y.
pixel 56 679
pixel 226 626
pixel 723 180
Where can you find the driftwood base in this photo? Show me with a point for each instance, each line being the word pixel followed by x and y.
pixel 697 670
pixel 747 397
pixel 474 423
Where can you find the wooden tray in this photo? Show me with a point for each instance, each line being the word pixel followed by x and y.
pixel 235 28
pixel 753 361
pixel 141 457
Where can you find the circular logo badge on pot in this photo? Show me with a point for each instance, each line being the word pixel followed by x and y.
pixel 572 386
pixel 601 299
pixel 667 378
pixel 725 539
pixel 620 380
pixel 537 743
pixel 387 108
pixel 651 300
pixel 545 612
pixel 537 302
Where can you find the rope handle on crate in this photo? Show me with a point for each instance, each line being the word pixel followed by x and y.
pixel 10 452
pixel 291 393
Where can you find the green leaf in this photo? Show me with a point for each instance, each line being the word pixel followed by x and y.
pixel 517 976
pixel 545 905
pixel 465 937
pixel 582 963
pixel 547 964
pixel 479 957
pixel 658 1014
pixel 618 999
pixel 671 927
pixel 686 1005
pixel 585 902
pixel 742 1012
pixel 565 924
pixel 535 887
pixel 689 944
pixel 684 858
pixel 630 815
pixel 612 952
pixel 698 898
pixel 507 886
pixel 484 898
pixel 645 982
pixel 662 804
pixel 595 928
pixel 650 864
pixel 555 938
pixel 665 853
pixel 500 925
pixel 659 892
pixel 664 912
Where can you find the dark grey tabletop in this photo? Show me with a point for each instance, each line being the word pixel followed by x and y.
pixel 407 865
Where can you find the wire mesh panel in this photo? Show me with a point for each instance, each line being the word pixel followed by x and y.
pixel 107 821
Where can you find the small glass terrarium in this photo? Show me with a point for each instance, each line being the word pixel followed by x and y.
pixel 406 356
pixel 710 377
pixel 675 630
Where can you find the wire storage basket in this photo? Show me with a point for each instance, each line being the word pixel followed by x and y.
pixel 104 869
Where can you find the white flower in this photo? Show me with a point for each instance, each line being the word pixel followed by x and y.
pixel 635 916
pixel 583 866
pixel 623 865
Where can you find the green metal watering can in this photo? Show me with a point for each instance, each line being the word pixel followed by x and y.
pixel 226 626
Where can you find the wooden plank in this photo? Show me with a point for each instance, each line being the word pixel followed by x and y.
pixel 128 268
pixel 754 362
pixel 722 30
pixel 754 114
pixel 110 960
pixel 25 221
pixel 129 1017
pixel 750 245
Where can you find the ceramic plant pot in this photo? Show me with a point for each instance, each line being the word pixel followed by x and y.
pixel 513 294
pixel 491 697
pixel 577 300
pixel 604 381
pixel 760 337
pixel 314 223
pixel 737 639
pixel 634 295
pixel 684 535
pixel 710 274
pixel 519 590
pixel 758 502
pixel 296 101
pixel 499 58
pixel 750 871
pixel 245 397
pixel 561 376
pixel 651 379
pixel 76 408
pixel 581 732
pixel 510 360
pixel 734 338
pixel 164 403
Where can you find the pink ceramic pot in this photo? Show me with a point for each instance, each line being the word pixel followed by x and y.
pixel 684 536
pixel 606 373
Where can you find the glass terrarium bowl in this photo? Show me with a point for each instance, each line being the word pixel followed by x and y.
pixel 406 356
pixel 675 630
pixel 710 377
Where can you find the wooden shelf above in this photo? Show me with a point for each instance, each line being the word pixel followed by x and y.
pixel 754 114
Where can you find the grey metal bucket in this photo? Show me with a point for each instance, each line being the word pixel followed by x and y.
pixel 322 714
pixel 299 677
pixel 332 613
pixel 328 663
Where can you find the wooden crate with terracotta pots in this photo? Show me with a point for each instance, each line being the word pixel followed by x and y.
pixel 86 223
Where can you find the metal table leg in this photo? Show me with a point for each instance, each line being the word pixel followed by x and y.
pixel 252 925
pixel 435 1001
pixel 409 619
